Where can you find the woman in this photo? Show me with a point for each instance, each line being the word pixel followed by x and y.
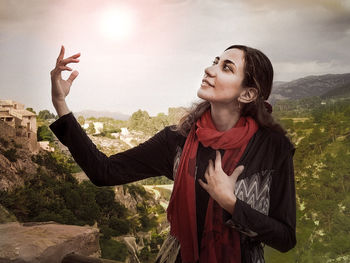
pixel 232 165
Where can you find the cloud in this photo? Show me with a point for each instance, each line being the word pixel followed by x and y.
pixel 336 6
pixel 289 71
pixel 21 15
pixel 173 41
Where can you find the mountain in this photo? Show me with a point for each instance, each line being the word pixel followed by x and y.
pixel 309 86
pixel 98 114
pixel 342 91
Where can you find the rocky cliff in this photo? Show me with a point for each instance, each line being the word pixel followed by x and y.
pixel 15 157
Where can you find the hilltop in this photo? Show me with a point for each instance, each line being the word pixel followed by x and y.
pixel 309 86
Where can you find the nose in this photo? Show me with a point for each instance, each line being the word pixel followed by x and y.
pixel 209 71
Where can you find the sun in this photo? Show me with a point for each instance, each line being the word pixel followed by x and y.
pixel 116 23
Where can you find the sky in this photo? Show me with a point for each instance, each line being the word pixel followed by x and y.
pixel 151 55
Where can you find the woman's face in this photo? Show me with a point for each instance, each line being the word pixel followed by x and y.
pixel 225 77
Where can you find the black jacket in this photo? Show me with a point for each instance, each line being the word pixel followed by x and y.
pixel 265 211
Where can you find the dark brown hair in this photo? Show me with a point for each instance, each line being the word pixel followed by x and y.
pixel 258 73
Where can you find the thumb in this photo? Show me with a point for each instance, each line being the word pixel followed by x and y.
pixel 72 76
pixel 238 170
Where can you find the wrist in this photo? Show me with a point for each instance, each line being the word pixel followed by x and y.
pixel 58 101
pixel 229 203
pixel 60 106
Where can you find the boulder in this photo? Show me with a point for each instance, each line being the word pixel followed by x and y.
pixel 46 242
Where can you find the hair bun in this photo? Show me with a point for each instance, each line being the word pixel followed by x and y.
pixel 268 106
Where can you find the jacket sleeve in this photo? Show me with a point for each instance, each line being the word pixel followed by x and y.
pixel 148 159
pixel 278 228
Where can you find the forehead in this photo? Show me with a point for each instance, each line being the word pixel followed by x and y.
pixel 235 55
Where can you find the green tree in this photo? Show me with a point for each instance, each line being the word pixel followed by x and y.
pixel 45 115
pixel 159 122
pixel 81 120
pixel 316 138
pixel 334 124
pixel 31 110
pixel 44 134
pixel 140 120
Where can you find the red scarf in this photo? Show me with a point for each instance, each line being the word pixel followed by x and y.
pixel 219 242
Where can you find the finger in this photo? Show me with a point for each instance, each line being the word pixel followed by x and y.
pixel 58 69
pixel 204 185
pixel 60 56
pixel 207 170
pixel 206 174
pixel 62 68
pixel 207 177
pixel 238 170
pixel 218 160
pixel 68 60
pixel 76 55
pixel 72 76
pixel 211 168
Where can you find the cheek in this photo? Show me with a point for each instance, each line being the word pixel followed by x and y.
pixel 229 86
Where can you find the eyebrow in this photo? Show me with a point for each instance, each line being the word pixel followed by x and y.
pixel 227 61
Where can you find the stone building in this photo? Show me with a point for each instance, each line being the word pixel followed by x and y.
pixel 14 114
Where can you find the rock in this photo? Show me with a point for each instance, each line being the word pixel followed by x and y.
pixel 46 242
pixel 125 198
pixel 12 173
pixel 9 179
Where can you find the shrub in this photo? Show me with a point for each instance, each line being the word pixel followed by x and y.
pixel 17 145
pixel 48 216
pixel 120 226
pixel 145 254
pixel 106 231
pixel 137 189
pixel 4 142
pixel 112 249
pixel 11 154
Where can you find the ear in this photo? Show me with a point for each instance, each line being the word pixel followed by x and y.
pixel 248 94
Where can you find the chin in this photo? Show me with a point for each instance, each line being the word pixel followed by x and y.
pixel 201 94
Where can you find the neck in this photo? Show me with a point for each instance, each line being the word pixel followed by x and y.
pixel 224 117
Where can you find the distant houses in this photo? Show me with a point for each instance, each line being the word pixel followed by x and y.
pixel 45 145
pixel 98 126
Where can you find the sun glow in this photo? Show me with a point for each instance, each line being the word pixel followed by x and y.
pixel 116 23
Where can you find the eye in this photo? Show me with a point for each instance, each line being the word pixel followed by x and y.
pixel 227 67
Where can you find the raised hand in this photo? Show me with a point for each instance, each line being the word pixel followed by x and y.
pixel 59 87
pixel 219 185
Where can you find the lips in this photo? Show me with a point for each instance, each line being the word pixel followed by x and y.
pixel 207 82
